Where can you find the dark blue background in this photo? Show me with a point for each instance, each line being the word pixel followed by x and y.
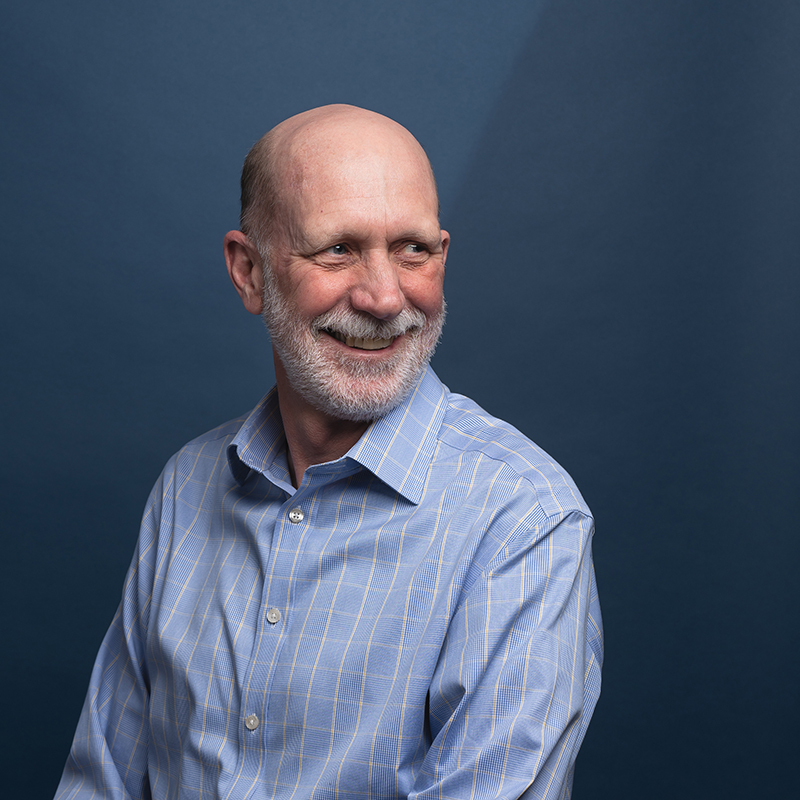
pixel 622 183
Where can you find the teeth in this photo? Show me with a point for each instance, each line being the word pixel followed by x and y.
pixel 367 344
pixel 361 344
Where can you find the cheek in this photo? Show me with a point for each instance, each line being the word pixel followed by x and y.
pixel 312 298
pixel 425 292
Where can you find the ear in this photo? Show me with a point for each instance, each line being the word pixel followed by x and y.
pixel 244 267
pixel 445 245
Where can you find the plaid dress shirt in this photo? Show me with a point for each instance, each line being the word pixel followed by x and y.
pixel 419 619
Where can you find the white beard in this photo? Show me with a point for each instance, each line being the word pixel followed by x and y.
pixel 333 381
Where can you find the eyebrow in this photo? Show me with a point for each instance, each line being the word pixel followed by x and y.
pixel 352 234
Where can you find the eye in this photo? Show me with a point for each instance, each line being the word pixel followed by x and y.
pixel 338 250
pixel 414 248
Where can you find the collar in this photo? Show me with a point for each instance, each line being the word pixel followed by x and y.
pixel 398 448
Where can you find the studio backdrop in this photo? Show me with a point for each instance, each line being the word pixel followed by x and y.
pixel 621 181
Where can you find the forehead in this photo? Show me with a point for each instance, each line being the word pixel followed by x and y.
pixel 364 178
pixel 369 175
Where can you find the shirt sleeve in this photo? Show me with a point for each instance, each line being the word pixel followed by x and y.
pixel 108 758
pixel 519 675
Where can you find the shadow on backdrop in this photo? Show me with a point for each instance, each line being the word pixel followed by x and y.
pixel 624 288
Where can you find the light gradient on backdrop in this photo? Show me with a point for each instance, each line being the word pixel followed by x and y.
pixel 621 181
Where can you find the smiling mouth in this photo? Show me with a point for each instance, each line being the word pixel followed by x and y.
pixel 360 343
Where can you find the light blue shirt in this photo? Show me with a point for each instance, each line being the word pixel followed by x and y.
pixel 419 619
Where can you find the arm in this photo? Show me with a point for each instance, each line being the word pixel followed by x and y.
pixel 109 752
pixel 520 672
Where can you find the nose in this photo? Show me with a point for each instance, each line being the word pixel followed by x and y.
pixel 377 289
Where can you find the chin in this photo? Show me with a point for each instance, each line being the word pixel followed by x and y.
pixel 356 391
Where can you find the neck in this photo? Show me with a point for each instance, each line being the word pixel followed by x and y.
pixel 312 436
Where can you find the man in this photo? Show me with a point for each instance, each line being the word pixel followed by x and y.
pixel 367 587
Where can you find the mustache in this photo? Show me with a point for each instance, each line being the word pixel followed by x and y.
pixel 357 324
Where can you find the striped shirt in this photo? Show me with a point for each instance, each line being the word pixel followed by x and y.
pixel 419 619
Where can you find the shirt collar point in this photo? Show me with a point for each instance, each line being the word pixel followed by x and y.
pixel 399 447
pixel 239 470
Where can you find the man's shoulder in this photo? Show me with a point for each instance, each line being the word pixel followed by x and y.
pixel 470 431
pixel 215 439
pixel 206 452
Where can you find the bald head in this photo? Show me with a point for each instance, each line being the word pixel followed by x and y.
pixel 329 138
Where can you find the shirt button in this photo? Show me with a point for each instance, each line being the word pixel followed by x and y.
pixel 273 615
pixel 296 515
pixel 251 722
